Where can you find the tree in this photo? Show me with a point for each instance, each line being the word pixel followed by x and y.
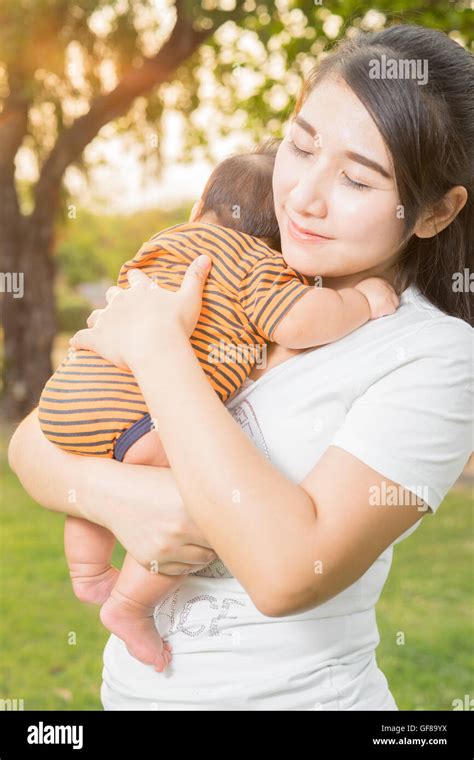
pixel 68 69
pixel 35 43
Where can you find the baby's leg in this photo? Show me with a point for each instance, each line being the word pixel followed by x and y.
pixel 128 612
pixel 88 549
pixel 147 450
pixel 88 404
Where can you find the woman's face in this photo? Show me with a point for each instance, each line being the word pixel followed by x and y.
pixel 316 170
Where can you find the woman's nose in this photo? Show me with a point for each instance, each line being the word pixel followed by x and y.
pixel 309 195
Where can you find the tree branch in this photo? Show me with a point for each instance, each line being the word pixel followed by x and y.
pixel 182 43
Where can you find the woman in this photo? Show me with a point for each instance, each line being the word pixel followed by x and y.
pixel 328 456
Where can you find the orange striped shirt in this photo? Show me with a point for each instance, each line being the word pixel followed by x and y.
pixel 89 402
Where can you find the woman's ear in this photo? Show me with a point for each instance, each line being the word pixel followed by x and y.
pixel 442 214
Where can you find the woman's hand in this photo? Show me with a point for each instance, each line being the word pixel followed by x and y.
pixel 161 536
pixel 139 319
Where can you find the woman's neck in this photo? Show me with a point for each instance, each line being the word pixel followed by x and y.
pixel 350 280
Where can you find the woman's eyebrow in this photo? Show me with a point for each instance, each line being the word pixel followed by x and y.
pixel 358 157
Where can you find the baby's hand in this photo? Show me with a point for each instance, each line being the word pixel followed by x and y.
pixel 381 296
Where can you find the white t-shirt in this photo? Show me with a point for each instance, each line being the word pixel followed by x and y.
pixel 397 394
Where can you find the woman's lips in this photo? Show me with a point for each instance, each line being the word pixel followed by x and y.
pixel 298 234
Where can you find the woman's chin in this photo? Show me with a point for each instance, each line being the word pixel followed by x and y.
pixel 314 263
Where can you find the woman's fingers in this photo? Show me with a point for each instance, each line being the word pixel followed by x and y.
pixel 93 317
pixel 186 558
pixel 137 277
pixel 194 555
pixel 178 568
pixel 195 276
pixel 82 339
pixel 111 292
pixel 182 568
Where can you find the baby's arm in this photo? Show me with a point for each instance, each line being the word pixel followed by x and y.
pixel 324 315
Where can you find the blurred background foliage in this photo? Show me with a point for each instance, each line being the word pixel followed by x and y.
pixel 64 57
pixel 74 75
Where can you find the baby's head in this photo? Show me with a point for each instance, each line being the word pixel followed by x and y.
pixel 239 195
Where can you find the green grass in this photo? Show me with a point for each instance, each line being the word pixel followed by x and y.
pixel 39 616
pixel 428 597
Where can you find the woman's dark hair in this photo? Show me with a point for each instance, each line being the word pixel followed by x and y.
pixel 429 132
pixel 239 191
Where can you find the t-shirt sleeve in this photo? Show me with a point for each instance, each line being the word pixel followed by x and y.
pixel 268 292
pixel 415 425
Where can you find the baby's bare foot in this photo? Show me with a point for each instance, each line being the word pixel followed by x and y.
pixel 93 583
pixel 134 624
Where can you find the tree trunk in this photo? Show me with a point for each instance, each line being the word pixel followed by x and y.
pixel 26 243
pixel 29 320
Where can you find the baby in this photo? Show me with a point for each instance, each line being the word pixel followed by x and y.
pixel 251 297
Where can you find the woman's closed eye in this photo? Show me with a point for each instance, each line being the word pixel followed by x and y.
pixel 305 154
pixel 356 185
pixel 298 151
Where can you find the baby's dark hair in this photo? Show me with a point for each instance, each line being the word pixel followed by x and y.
pixel 239 192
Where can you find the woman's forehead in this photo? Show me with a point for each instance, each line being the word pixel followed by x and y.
pixel 333 114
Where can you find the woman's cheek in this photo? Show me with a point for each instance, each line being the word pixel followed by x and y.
pixel 281 177
pixel 368 230
pixel 372 218
pixel 389 227
pixel 357 218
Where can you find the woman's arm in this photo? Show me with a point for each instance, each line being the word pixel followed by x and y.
pixel 268 530
pixel 292 546
pixel 140 505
